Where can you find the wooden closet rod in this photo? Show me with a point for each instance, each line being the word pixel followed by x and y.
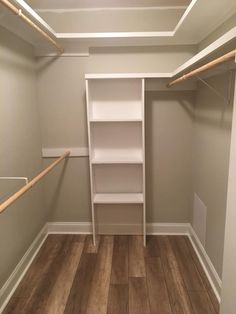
pixel 18 12
pixel 29 185
pixel 209 65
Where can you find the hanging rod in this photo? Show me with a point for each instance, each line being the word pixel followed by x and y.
pixel 209 65
pixel 28 186
pixel 18 12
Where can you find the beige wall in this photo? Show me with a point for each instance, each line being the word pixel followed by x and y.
pixel 228 304
pixel 169 133
pixel 61 85
pixel 113 20
pixel 61 95
pixel 221 30
pixel 211 160
pixel 20 150
pixel 67 192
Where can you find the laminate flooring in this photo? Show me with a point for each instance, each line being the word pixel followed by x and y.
pixel 118 276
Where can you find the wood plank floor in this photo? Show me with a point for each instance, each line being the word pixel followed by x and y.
pixel 119 276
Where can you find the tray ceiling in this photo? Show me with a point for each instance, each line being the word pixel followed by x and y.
pixel 93 4
pixel 154 24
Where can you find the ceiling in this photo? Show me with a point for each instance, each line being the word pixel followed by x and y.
pixel 82 24
pixel 93 4
pixel 104 16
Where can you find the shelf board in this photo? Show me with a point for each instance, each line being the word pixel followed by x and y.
pixel 115 120
pixel 206 52
pixel 118 160
pixel 128 75
pixel 118 198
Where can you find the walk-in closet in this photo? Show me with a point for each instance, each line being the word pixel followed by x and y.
pixel 117 157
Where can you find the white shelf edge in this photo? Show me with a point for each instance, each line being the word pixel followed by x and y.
pixel 118 198
pixel 128 75
pixel 95 161
pixel 114 35
pixel 217 44
pixel 35 16
pixel 186 13
pixel 114 120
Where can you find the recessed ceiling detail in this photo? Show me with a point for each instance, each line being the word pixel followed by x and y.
pixel 81 24
pixel 104 16
pixel 91 4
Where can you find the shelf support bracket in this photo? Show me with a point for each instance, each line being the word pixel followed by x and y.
pixel 15 178
pixel 215 91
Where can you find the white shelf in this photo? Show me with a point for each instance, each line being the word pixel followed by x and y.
pixel 115 99
pixel 116 140
pixel 128 75
pixel 115 120
pixel 118 178
pixel 222 41
pixel 118 198
pixel 115 112
pixel 115 160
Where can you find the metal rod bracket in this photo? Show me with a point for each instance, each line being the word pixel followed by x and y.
pixel 215 91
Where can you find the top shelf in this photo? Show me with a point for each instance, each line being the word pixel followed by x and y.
pixel 115 100
pixel 221 42
pixel 127 75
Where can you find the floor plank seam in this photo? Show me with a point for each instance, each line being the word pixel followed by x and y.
pixel 166 285
pixel 148 295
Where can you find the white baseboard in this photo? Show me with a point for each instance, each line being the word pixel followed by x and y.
pixel 206 263
pixel 86 228
pixel 168 228
pixel 18 273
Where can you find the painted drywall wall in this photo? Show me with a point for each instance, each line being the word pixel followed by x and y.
pixel 61 95
pixel 113 20
pixel 212 132
pixel 169 133
pixel 20 150
pixel 221 30
pixel 228 303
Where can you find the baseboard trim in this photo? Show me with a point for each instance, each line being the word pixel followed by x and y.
pixel 168 228
pixel 86 228
pixel 18 273
pixel 206 263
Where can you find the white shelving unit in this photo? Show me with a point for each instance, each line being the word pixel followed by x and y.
pixel 115 112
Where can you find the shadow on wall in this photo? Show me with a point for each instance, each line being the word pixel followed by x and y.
pixel 169 135
pixel 45 63
pixel 216 110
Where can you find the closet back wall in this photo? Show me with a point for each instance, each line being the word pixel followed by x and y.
pixel 169 127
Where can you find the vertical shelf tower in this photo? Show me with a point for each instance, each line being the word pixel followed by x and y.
pixel 115 112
